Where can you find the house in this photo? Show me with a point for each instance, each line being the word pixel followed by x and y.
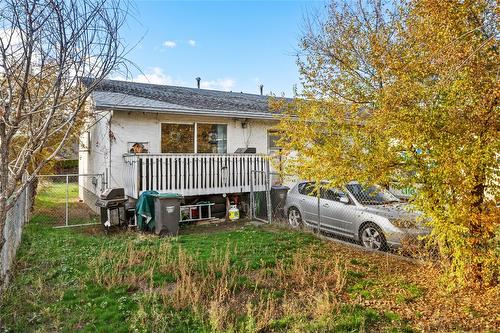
pixel 190 141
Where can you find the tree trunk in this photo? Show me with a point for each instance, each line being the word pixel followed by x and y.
pixel 4 160
pixel 3 217
pixel 479 233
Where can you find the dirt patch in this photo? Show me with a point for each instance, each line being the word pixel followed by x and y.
pixel 92 230
pixel 185 229
pixel 188 229
pixel 78 213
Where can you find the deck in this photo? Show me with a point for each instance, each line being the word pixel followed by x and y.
pixel 194 174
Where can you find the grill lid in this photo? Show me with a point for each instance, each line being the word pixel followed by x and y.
pixel 104 203
pixel 113 193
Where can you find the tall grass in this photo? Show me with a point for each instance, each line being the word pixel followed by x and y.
pixel 220 295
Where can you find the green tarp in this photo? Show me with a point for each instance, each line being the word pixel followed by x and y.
pixel 145 211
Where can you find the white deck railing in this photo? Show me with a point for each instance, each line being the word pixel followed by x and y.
pixel 194 174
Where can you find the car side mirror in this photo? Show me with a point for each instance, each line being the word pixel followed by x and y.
pixel 344 200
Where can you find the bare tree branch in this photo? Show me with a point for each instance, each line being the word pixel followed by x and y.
pixel 46 47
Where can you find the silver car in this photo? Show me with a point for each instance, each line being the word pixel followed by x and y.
pixel 372 216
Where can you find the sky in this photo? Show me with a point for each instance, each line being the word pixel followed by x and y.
pixel 231 45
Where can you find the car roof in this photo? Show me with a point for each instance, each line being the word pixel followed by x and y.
pixel 352 182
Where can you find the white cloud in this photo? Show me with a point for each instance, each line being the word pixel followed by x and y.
pixel 156 75
pixel 192 42
pixel 10 37
pixel 170 44
pixel 13 43
pixel 218 84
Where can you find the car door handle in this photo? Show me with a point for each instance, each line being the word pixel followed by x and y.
pixel 326 205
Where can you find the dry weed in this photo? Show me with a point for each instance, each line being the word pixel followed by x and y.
pixel 305 286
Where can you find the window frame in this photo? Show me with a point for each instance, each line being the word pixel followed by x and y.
pixel 304 189
pixel 337 192
pixel 177 123
pixel 208 123
pixel 195 132
pixel 275 149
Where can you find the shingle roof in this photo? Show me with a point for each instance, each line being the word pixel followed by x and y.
pixel 113 94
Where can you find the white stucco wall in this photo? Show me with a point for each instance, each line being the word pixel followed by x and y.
pixel 95 158
pixel 146 127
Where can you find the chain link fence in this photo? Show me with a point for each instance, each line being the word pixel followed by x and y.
pixel 17 216
pixel 372 217
pixel 268 205
pixel 57 200
pixel 321 209
pixel 260 201
pixel 67 200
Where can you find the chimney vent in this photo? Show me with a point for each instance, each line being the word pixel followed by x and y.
pixel 198 80
pixel 261 89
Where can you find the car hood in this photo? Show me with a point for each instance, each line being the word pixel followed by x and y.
pixel 395 211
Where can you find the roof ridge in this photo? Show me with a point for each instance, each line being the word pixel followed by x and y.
pixel 194 98
pixel 189 88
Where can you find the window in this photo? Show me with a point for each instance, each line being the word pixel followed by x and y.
pixel 372 195
pixel 212 138
pixel 272 141
pixel 177 138
pixel 307 189
pixel 332 194
pixel 180 138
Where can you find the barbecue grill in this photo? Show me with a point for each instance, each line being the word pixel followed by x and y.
pixel 112 199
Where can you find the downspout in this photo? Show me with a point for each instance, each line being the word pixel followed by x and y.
pixel 110 135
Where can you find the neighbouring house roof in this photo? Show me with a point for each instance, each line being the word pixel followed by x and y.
pixel 134 96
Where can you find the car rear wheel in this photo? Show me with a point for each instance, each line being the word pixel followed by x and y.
pixel 372 237
pixel 294 218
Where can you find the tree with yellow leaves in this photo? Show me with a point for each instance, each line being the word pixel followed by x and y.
pixel 408 93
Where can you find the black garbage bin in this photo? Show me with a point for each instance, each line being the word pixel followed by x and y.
pixel 278 199
pixel 167 213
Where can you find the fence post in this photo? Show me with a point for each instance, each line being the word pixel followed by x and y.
pixel 252 203
pixel 318 187
pixel 67 199
pixel 268 193
pixel 27 192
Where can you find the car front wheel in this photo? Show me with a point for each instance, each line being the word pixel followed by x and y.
pixel 294 218
pixel 372 237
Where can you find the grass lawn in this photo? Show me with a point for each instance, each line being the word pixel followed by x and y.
pixel 50 204
pixel 228 278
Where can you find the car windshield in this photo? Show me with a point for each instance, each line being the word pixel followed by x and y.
pixel 372 195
